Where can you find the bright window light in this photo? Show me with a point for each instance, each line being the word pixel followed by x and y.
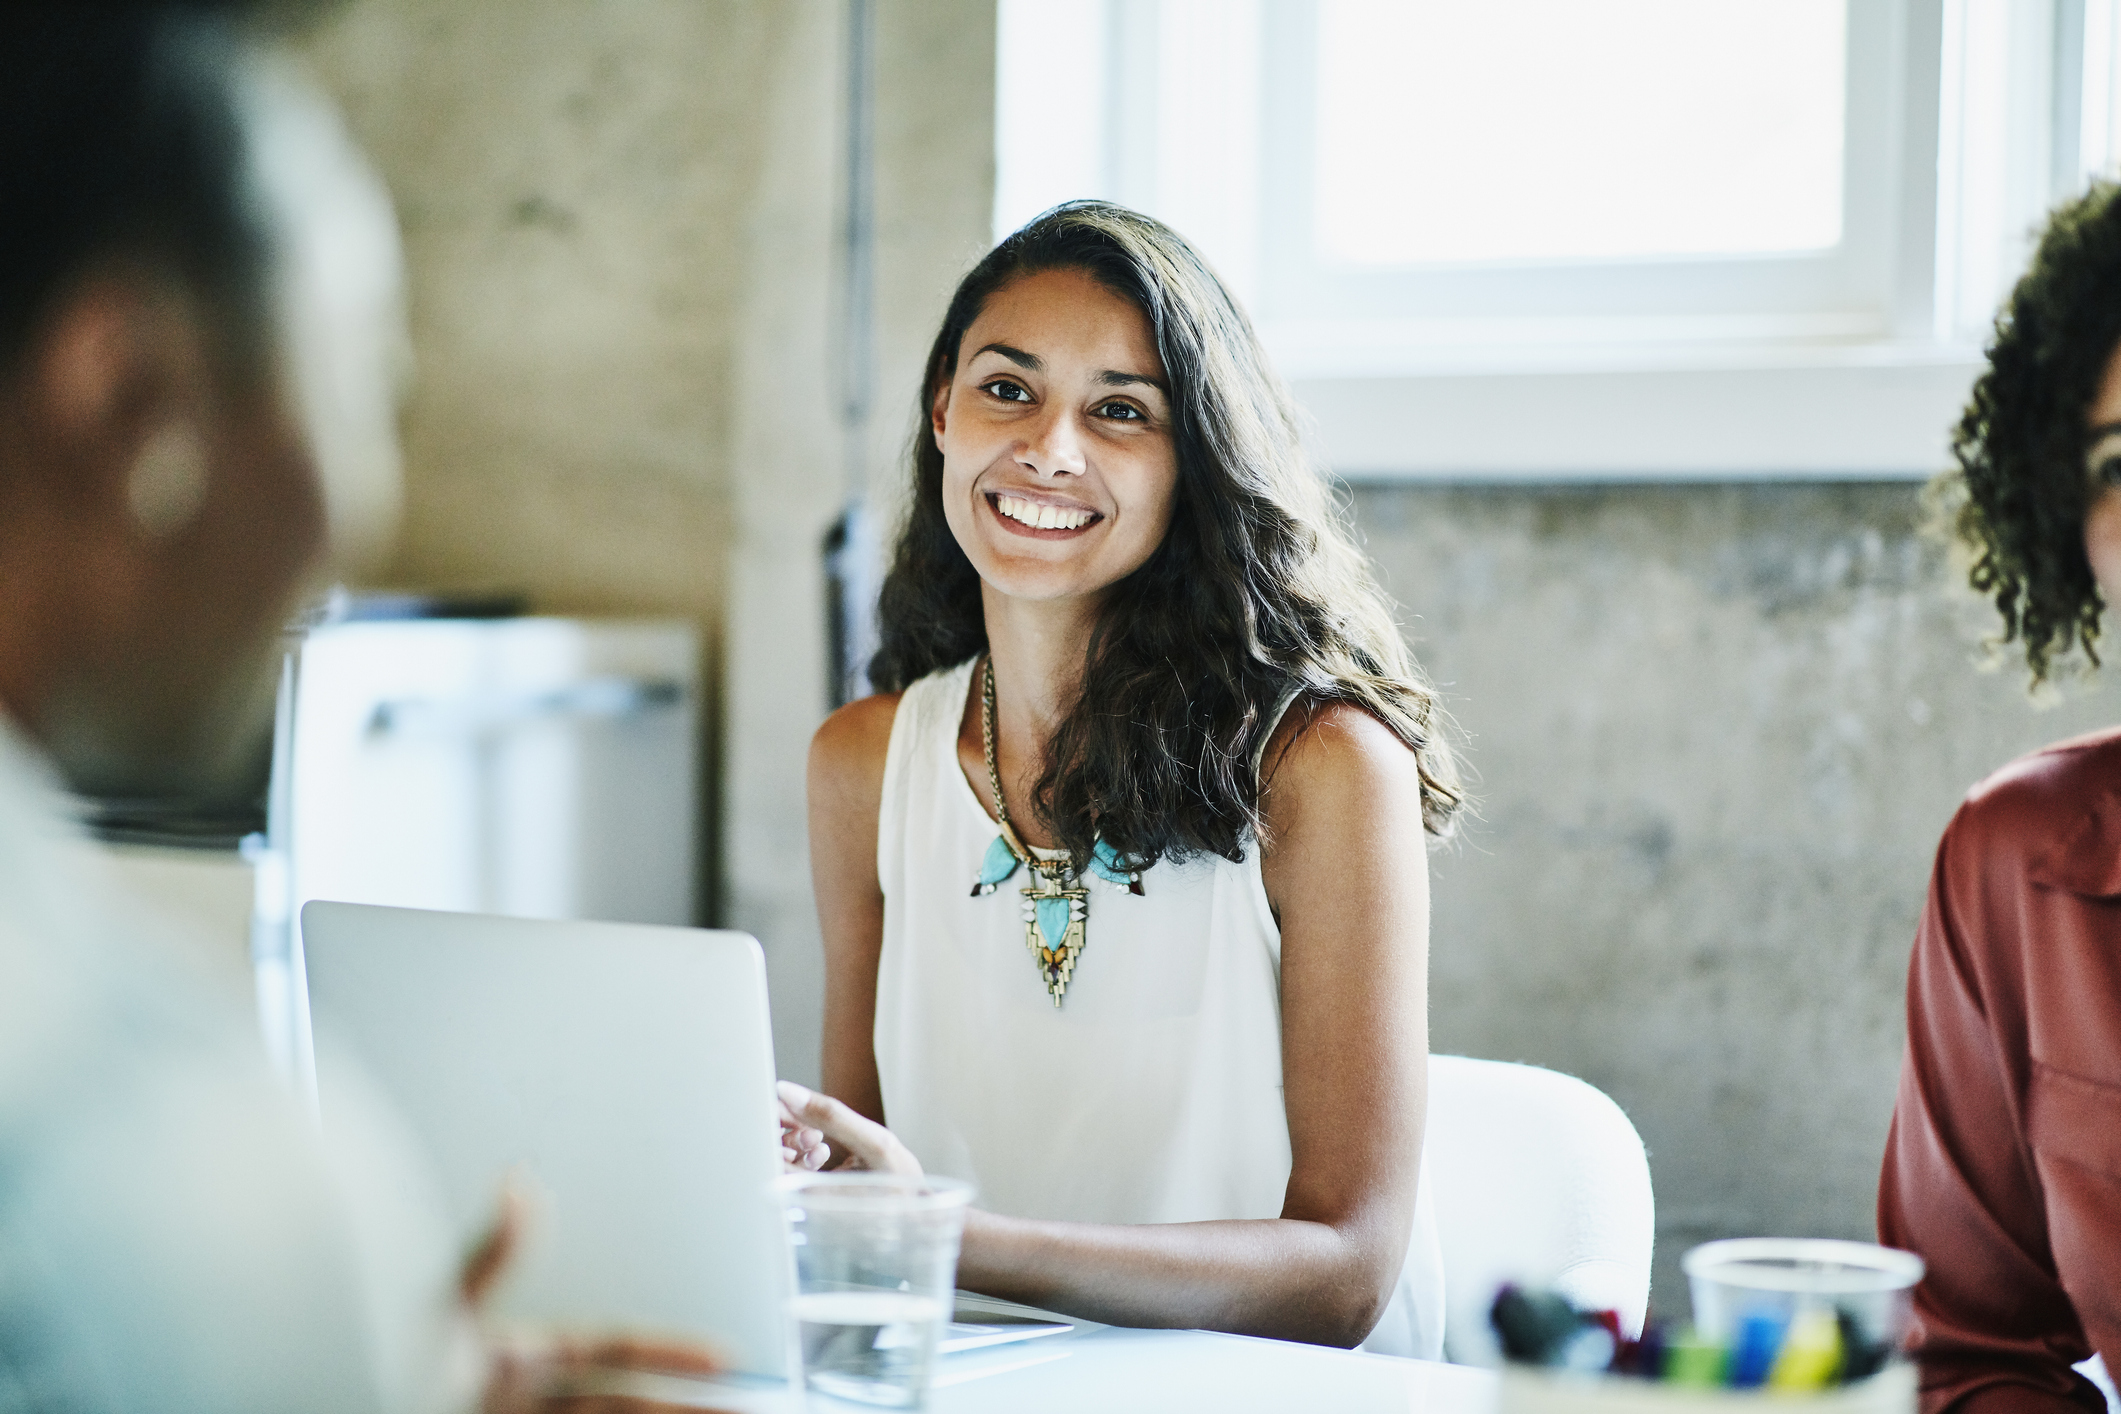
pixel 1557 131
pixel 1049 106
pixel 2099 101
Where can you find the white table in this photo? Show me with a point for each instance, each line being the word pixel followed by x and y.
pixel 1106 1370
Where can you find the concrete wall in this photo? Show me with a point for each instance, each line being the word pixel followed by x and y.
pixel 1718 730
pixel 574 181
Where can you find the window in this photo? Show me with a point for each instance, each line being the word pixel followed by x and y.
pixel 1614 152
pixel 1560 238
pixel 2026 113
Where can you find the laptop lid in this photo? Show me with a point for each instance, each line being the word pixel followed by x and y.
pixel 627 1069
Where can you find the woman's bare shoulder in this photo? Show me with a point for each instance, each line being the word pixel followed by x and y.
pixel 1318 742
pixel 852 743
pixel 1327 758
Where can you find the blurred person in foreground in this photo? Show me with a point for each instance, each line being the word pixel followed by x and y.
pixel 198 294
pixel 2003 1169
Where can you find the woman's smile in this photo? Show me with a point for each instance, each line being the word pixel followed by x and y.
pixel 1041 517
pixel 1060 471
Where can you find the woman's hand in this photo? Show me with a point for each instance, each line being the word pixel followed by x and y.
pixel 803 1149
pixel 548 1372
pixel 863 1142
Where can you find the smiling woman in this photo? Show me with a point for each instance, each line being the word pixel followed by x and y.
pixel 1129 649
pixel 1066 447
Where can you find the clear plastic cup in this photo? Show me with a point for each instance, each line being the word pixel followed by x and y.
pixel 1747 1278
pixel 876 1270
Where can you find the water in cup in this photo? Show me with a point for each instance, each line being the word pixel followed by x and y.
pixel 876 1267
pixel 870 1346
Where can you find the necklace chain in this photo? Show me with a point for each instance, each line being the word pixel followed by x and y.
pixel 1055 906
pixel 987 715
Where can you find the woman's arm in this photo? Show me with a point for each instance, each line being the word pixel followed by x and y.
pixel 1346 871
pixel 1996 1327
pixel 846 789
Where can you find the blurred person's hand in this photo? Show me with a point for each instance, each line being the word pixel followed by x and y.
pixel 860 1142
pixel 559 1372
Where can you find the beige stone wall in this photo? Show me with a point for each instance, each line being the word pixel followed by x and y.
pixel 574 181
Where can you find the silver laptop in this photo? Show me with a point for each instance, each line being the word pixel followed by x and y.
pixel 627 1069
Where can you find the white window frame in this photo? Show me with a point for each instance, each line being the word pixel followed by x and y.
pixel 1967 119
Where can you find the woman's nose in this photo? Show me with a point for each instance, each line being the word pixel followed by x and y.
pixel 1054 446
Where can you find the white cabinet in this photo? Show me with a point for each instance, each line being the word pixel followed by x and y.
pixel 544 768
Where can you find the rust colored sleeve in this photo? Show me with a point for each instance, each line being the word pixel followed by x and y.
pixel 1994 1329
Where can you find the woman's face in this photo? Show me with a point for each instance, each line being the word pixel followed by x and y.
pixel 2102 516
pixel 1059 470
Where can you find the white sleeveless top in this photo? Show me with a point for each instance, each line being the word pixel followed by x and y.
pixel 1153 1095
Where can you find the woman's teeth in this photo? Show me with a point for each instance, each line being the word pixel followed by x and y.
pixel 1041 517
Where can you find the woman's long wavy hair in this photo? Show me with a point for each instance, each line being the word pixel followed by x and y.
pixel 2019 491
pixel 1258 586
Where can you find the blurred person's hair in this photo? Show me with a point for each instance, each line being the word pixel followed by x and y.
pixel 2018 493
pixel 1257 588
pixel 121 140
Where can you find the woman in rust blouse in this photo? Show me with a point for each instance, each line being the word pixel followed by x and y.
pixel 2004 1166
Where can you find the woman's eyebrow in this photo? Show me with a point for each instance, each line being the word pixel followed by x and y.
pixel 2095 435
pixel 1014 355
pixel 1114 378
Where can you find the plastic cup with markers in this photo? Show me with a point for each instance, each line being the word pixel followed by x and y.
pixel 1801 1313
pixel 1774 1319
pixel 876 1269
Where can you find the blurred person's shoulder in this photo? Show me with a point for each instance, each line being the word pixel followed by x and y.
pixel 77 942
pixel 52 973
pixel 2053 814
pixel 176 1198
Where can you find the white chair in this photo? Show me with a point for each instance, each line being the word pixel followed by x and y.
pixel 1538 1178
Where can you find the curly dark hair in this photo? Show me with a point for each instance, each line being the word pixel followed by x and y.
pixel 2020 487
pixel 1258 586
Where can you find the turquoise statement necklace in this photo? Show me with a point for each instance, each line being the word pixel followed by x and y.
pixel 1056 905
